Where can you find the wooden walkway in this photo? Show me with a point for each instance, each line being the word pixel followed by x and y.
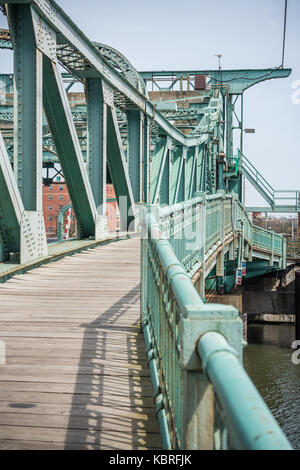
pixel 76 374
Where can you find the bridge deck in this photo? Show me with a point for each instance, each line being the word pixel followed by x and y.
pixel 76 375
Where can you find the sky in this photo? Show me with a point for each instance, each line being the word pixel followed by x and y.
pixel 173 34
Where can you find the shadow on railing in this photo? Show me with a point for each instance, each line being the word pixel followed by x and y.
pixel 204 397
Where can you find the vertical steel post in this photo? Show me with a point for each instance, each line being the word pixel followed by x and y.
pixel 242 177
pixel 202 208
pixel 66 141
pixel 146 159
pixel 96 155
pixel 119 172
pixel 229 126
pixel 220 258
pixel 135 152
pixel 198 411
pixel 144 265
pixel 164 193
pixel 28 102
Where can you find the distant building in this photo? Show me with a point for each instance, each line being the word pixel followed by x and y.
pixel 56 197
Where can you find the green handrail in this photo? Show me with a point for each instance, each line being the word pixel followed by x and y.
pixel 185 367
pixel 248 419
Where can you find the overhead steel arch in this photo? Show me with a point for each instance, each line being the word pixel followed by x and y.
pixel 122 65
pixel 117 60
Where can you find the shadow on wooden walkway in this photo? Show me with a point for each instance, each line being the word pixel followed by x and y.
pixel 76 375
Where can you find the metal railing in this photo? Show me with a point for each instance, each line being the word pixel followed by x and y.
pixel 257 179
pixel 204 397
pixel 198 227
pixel 274 197
pixel 289 197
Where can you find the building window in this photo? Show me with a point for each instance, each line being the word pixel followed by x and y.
pixel 61 188
pixel 61 198
pixel 50 188
pixel 50 217
pixel 50 208
pixel 50 198
pixel 50 229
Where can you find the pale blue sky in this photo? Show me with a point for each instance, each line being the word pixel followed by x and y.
pixel 173 34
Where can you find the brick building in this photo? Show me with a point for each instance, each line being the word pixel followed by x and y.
pixel 56 196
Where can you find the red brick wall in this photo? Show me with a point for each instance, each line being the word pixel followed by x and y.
pixel 111 209
pixel 56 196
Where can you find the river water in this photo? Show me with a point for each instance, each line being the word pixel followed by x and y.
pixel 268 361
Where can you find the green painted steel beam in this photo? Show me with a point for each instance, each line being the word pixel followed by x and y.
pixel 176 173
pixel 146 159
pixel 165 183
pixel 119 172
pixel 237 81
pixel 64 135
pixel 135 152
pixel 157 168
pixel 180 190
pixel 28 76
pixel 98 66
pixel 190 171
pixel 11 205
pixel 97 147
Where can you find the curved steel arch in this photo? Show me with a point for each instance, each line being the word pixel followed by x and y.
pixel 61 221
pixel 122 65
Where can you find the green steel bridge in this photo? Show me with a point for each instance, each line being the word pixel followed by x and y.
pixel 165 139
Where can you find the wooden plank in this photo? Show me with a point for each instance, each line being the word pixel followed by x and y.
pixel 105 440
pixel 78 388
pixel 90 421
pixel 113 401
